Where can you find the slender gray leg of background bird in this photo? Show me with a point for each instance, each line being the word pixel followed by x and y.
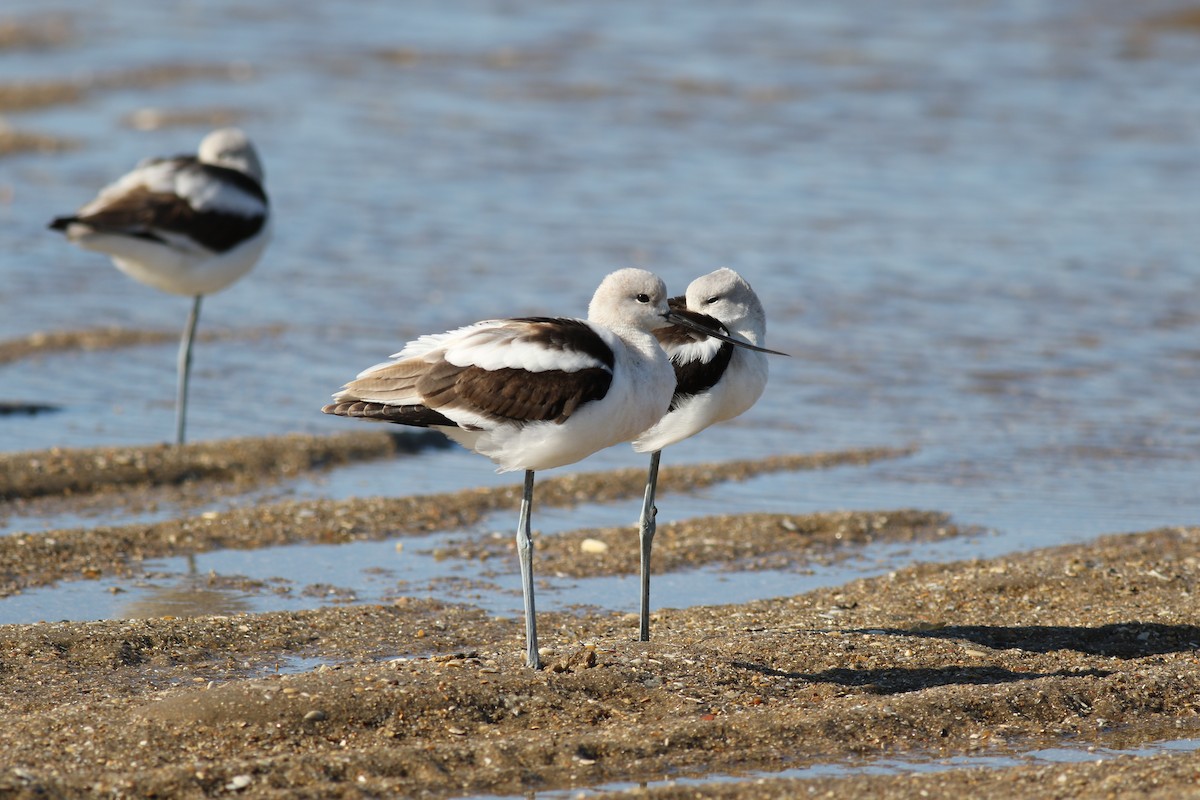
pixel 185 370
pixel 646 531
pixel 525 554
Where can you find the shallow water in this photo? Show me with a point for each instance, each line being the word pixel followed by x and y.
pixel 973 226
pixel 978 244
pixel 899 766
pixel 294 577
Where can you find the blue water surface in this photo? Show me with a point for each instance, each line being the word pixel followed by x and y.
pixel 973 226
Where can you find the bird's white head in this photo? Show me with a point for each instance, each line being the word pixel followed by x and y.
pixel 726 296
pixel 230 147
pixel 630 298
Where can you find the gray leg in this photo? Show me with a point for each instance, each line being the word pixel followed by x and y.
pixel 525 554
pixel 185 370
pixel 646 537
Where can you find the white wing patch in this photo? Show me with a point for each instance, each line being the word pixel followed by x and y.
pixel 691 352
pixel 203 192
pixel 503 344
pixel 496 344
pixel 156 176
pixel 186 180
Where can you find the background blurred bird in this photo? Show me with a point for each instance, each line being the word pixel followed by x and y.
pixel 188 225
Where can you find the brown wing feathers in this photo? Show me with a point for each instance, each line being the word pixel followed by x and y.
pixel 417 416
pixel 506 394
pixel 142 213
pixel 520 396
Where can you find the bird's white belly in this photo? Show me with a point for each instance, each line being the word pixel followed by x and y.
pixel 174 270
pixel 738 390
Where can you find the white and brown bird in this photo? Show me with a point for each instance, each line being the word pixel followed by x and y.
pixel 715 381
pixel 188 225
pixel 533 393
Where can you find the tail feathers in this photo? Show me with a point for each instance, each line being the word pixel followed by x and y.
pixel 416 415
pixel 62 223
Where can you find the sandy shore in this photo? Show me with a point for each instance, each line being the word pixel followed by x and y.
pixel 1089 645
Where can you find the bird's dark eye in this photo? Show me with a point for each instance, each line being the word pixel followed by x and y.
pixel 711 300
pixel 643 298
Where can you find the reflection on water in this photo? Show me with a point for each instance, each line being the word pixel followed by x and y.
pixel 190 595
pixel 187 600
pixel 232 581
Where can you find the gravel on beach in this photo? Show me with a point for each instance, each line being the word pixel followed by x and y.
pixel 1090 645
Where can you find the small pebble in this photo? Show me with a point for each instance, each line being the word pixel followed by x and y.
pixel 238 783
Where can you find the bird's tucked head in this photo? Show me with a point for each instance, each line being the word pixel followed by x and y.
pixel 231 148
pixel 726 296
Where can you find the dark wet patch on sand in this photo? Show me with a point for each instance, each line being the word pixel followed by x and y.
pixel 1181 20
pixel 58 341
pixel 36 33
pixel 14 142
pixel 152 119
pixel 28 95
pixel 240 463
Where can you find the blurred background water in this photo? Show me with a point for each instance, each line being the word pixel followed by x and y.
pixel 973 224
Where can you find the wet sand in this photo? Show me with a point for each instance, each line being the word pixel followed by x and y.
pixel 58 481
pixel 1071 646
pixel 56 31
